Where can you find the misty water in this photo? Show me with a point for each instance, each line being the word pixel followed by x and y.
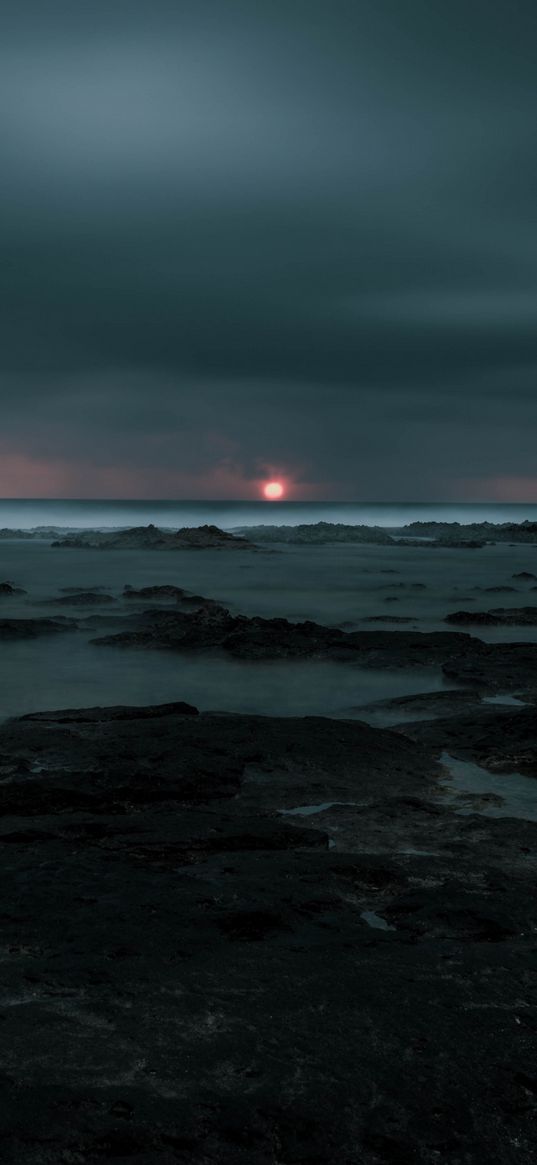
pixel 339 585
pixel 26 513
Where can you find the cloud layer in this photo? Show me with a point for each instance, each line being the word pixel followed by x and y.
pixel 241 240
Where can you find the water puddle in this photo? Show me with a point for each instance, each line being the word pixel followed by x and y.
pixel 309 810
pixel 512 701
pixel 375 920
pixel 511 794
pixel 420 853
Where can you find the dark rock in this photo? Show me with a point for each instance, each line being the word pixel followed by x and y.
pixel 167 591
pixel 112 712
pixel 32 628
pixel 168 594
pixel 501 740
pixel 497 667
pixel 7 589
pixel 454 533
pixel 526 575
pixel 444 543
pixel 463 618
pixel 443 703
pixel 214 628
pixel 318 533
pixel 81 599
pixel 151 538
pixel 498 617
pixel 389 618
pixel 193 980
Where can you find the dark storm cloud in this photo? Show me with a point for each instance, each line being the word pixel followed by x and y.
pixel 289 236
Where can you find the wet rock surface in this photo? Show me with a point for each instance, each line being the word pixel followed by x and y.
pixel 496 667
pixel 501 740
pixel 190 975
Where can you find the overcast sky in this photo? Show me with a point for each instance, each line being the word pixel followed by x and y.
pixel 251 238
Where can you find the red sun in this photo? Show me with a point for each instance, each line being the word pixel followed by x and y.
pixel 273 490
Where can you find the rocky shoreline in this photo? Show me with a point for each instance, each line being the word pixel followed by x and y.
pixel 268 940
pixel 421 535
pixel 243 939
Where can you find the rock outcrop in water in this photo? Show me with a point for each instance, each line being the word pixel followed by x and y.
pixel 318 534
pixel 213 628
pixel 497 617
pixel 457 532
pixel 9 590
pixel 464 659
pixel 34 628
pixel 191 976
pixel 151 538
pixel 193 624
pixel 167 594
pixel 81 599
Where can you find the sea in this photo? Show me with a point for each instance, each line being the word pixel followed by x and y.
pixel 28 513
pixel 342 585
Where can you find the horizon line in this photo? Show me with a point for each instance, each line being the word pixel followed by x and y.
pixel 276 501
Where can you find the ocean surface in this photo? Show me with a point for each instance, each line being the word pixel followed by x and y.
pixel 26 513
pixel 338 585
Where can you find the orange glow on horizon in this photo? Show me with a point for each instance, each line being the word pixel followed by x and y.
pixel 273 490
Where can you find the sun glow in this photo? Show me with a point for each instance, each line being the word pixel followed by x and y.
pixel 273 490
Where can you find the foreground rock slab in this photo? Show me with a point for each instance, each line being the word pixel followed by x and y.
pixel 502 740
pixel 190 975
